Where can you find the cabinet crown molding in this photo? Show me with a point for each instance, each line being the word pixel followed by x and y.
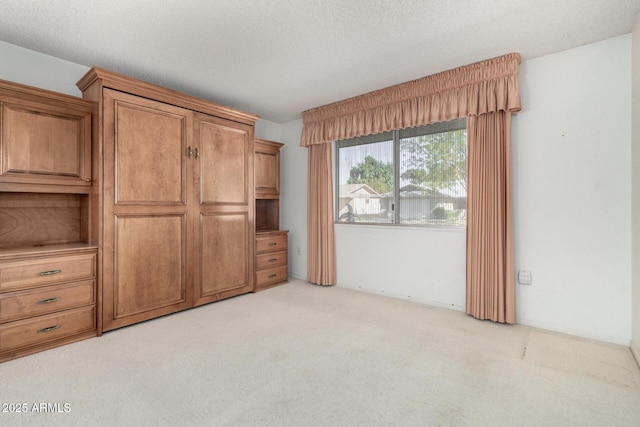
pixel 42 96
pixel 270 144
pixel 169 96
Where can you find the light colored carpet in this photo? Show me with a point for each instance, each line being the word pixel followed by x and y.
pixel 302 355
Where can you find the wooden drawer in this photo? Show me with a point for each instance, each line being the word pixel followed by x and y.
pixel 271 276
pixel 22 304
pixel 270 260
pixel 43 329
pixel 271 243
pixel 47 270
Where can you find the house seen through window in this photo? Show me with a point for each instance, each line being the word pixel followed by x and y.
pixel 413 176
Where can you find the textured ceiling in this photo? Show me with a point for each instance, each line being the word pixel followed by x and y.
pixel 278 58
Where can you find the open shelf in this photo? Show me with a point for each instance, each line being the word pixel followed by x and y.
pixel 267 215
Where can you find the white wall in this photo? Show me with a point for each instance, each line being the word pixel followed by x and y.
pixel 635 339
pixel 293 197
pixel 268 130
pixel 36 69
pixel 413 263
pixel 572 186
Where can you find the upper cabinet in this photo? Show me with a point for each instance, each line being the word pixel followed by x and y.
pixel 267 169
pixel 45 141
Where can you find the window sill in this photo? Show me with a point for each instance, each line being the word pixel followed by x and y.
pixel 405 227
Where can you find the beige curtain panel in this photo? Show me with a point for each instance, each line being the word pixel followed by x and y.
pixel 490 276
pixel 321 258
pixel 474 89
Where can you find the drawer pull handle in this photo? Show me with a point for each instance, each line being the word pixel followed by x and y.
pixel 271 276
pixel 49 300
pixel 49 329
pixel 273 259
pixel 272 244
pixel 49 273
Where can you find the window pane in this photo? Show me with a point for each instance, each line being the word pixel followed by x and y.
pixel 365 181
pixel 433 176
pixel 413 176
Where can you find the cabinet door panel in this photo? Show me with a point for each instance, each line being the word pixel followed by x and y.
pixel 266 170
pixel 149 264
pixel 45 141
pixel 42 144
pixel 150 145
pixel 224 252
pixel 224 162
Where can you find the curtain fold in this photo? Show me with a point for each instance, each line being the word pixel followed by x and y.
pixel 474 89
pixel 490 274
pixel 321 266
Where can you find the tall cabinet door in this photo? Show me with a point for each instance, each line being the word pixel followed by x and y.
pixel 224 208
pixel 147 190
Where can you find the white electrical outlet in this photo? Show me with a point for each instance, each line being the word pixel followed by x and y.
pixel 524 277
pixel 298 250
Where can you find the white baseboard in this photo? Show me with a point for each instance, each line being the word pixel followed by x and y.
pixel 519 321
pixel 404 297
pixel 574 332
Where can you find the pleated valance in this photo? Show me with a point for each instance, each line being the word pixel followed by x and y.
pixel 479 88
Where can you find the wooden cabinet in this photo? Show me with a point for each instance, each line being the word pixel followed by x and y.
pixel 48 294
pixel 47 297
pixel 271 242
pixel 267 185
pixel 175 202
pixel 267 168
pixel 271 258
pixel 45 141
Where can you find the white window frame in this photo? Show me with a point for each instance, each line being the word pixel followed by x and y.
pixel 395 136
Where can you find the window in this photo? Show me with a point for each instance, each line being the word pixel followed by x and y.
pixel 413 176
